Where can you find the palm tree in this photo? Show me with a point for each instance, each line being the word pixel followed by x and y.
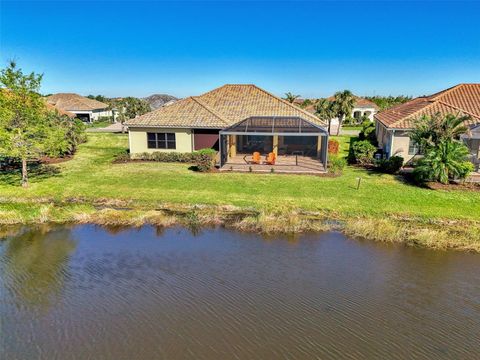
pixel 324 110
pixel 291 97
pixel 344 104
pixel 429 131
pixel 447 160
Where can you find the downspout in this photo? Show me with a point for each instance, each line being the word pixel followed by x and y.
pixel 391 144
pixel 192 136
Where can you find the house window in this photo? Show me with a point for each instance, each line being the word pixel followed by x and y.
pixel 161 140
pixel 414 148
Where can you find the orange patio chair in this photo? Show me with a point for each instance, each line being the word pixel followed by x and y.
pixel 256 158
pixel 270 159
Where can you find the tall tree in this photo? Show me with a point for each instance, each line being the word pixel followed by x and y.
pixel 291 97
pixel 25 132
pixel 325 111
pixel 130 107
pixel 344 102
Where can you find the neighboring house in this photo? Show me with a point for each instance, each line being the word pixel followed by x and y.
pixel 363 107
pixel 85 109
pixel 394 124
pixel 237 120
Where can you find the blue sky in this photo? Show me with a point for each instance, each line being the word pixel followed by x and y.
pixel 186 48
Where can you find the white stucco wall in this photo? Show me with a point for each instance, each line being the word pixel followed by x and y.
pixel 93 114
pixel 369 111
pixel 99 113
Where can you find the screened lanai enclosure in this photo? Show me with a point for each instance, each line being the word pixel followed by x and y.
pixel 472 140
pixel 274 144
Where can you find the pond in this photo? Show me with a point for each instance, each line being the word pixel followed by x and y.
pixel 80 292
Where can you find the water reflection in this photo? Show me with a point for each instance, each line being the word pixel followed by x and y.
pixel 171 293
pixel 34 265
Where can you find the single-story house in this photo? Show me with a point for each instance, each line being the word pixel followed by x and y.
pixel 236 120
pixel 393 125
pixel 85 109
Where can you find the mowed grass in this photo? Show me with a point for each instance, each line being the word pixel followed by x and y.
pixel 91 176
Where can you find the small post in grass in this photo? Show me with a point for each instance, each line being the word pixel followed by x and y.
pixel 359 180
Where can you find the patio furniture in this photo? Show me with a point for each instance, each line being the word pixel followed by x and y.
pixel 255 158
pixel 270 159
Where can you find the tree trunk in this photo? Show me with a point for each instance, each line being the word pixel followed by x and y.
pixel 24 173
pixel 340 122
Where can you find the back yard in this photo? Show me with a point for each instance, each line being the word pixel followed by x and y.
pixel 91 177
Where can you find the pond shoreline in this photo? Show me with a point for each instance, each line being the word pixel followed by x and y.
pixel 442 234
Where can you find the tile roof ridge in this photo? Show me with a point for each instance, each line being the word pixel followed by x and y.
pixel 444 92
pixel 310 115
pixel 209 109
pixel 459 109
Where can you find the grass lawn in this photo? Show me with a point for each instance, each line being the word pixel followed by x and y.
pixel 99 124
pixel 352 127
pixel 91 176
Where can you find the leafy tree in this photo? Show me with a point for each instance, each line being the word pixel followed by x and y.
pixel 344 103
pixel 386 102
pixel 429 131
pixel 325 111
pixel 291 97
pixel 306 103
pixel 28 130
pixel 368 132
pixel 100 98
pixel 130 107
pixel 447 160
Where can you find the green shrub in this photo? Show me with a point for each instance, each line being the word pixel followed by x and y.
pixel 445 161
pixel 391 165
pixel 368 132
pixel 205 159
pixel 336 164
pixel 362 152
pixel 122 157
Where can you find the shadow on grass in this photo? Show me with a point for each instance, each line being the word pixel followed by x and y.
pixel 194 168
pixel 36 172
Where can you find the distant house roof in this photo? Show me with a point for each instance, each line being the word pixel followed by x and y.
pixel 60 111
pixel 462 99
pixel 220 108
pixel 359 102
pixel 74 102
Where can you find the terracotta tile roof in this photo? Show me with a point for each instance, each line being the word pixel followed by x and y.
pixel 360 102
pixel 73 102
pixel 463 99
pixel 188 112
pixel 50 107
pixel 220 108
